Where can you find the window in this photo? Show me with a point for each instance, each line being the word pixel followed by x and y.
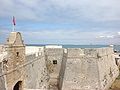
pixel 116 61
pixel 54 61
pixel 17 53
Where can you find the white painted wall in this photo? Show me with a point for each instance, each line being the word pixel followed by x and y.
pixel 33 49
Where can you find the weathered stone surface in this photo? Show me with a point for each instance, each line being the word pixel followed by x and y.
pixel 36 75
pixel 56 68
pixel 96 70
pixel 54 55
pixel 75 52
pixel 81 74
pixel 2 80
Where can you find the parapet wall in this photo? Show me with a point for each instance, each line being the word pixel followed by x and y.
pixel 36 75
pixel 89 69
pixel 75 52
pixel 81 71
pixel 108 70
pixel 91 52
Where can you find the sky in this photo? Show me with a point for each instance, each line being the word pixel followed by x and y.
pixel 62 21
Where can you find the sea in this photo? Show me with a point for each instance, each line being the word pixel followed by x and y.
pixel 115 47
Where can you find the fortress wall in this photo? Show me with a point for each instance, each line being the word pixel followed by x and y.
pixel 95 69
pixel 81 71
pixel 32 73
pixel 54 58
pixel 108 70
pixel 2 80
pixel 62 70
pixel 75 52
pixel 13 76
pixel 13 66
pixel 14 60
pixel 31 57
pixel 36 75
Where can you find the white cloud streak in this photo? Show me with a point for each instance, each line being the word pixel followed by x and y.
pixel 66 36
pixel 70 37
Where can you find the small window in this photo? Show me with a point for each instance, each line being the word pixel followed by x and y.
pixel 17 54
pixel 116 61
pixel 54 61
pixel 41 80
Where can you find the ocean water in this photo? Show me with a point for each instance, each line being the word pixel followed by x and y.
pixel 116 47
pixel 84 46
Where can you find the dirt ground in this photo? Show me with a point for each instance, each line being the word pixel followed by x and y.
pixel 116 84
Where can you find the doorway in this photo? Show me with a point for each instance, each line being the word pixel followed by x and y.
pixel 18 86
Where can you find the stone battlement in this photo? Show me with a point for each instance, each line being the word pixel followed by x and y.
pixel 90 52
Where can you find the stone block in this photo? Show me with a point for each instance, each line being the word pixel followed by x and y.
pixel 75 52
pixel 90 52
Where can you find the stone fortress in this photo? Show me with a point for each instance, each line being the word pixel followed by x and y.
pixel 41 68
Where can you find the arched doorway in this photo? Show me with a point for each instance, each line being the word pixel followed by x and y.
pixel 18 86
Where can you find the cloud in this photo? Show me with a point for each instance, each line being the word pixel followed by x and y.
pixel 64 36
pixel 75 21
pixel 112 36
pixel 109 38
pixel 67 37
pixel 61 10
pixel 58 36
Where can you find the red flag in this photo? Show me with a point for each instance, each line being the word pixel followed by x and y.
pixel 14 23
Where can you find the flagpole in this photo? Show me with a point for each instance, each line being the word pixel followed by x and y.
pixel 13 28
pixel 14 23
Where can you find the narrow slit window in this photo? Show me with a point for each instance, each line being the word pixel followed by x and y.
pixel 17 53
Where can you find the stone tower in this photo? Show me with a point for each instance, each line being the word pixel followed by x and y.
pixel 15 61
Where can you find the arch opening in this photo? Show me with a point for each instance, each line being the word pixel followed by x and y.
pixel 18 86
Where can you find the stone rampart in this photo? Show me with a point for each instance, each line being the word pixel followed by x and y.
pixel 108 70
pixel 65 69
pixel 89 69
pixel 36 75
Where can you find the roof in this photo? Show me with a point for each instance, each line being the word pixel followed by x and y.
pixel 15 38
